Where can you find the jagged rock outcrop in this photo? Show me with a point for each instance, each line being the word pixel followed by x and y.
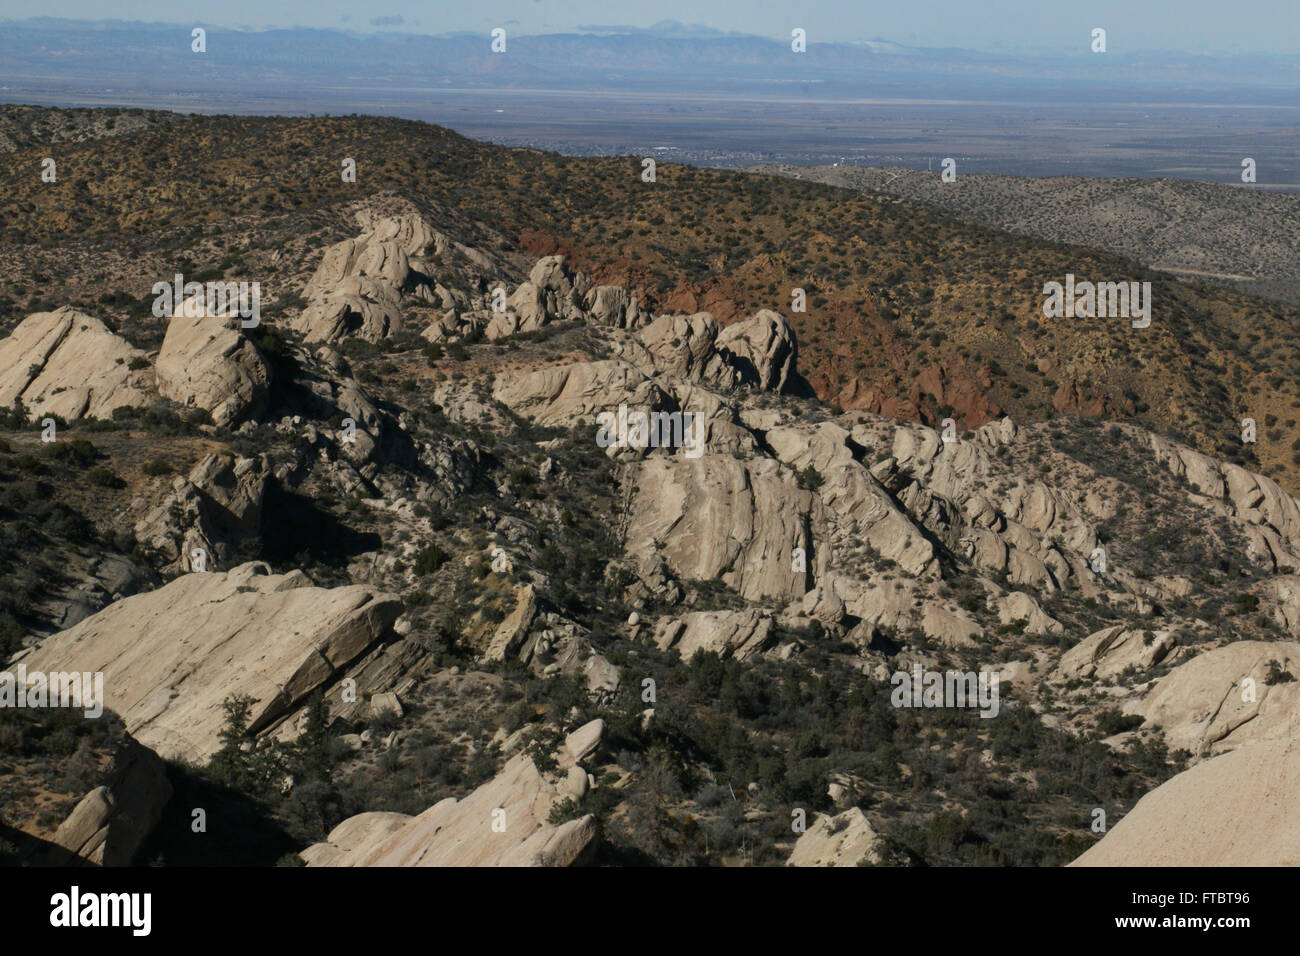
pixel 551 292
pixel 359 285
pixel 212 510
pixel 759 351
pixel 502 823
pixel 207 362
pixel 1269 515
pixel 1239 809
pixel 763 347
pixel 612 305
pixel 170 657
pixel 680 346
pixel 718 517
pixel 738 634
pixel 69 364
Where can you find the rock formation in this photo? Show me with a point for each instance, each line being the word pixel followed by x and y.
pixel 208 362
pixel 170 657
pixel 69 364
pixel 505 822
pixel 1239 809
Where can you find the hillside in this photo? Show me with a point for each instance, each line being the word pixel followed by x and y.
pixel 417 582
pixel 909 313
pixel 1242 237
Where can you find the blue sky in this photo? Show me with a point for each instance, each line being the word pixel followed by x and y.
pixel 1195 26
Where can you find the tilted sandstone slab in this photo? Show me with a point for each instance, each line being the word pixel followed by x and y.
pixel 857 507
pixel 1112 650
pixel 887 605
pixel 950 628
pixel 454 832
pixel 1239 809
pixel 1018 606
pixel 573 394
pixel 172 656
pixel 69 364
pixel 843 840
pixel 738 634
pixel 511 632
pixel 207 362
pixel 1222 698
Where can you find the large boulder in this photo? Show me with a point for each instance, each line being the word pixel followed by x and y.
pixel 1239 809
pixel 170 657
pixel 1244 691
pixel 843 840
pixel 763 347
pixel 208 362
pixel 69 364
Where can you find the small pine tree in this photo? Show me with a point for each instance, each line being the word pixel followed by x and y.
pixel 232 763
pixel 311 752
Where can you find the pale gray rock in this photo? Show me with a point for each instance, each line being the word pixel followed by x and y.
pixel 68 364
pixel 171 656
pixel 208 362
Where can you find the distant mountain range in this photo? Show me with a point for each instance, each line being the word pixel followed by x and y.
pixel 669 56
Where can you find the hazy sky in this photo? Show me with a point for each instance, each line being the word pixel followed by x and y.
pixel 1045 25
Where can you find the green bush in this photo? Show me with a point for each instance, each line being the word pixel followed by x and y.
pixel 430 559
pixel 104 478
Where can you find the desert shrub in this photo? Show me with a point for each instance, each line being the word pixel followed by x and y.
pixel 430 559
pixel 104 478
